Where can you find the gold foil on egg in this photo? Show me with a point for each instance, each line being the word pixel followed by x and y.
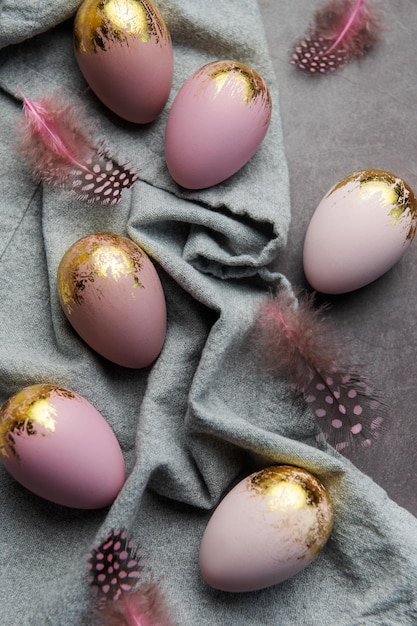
pixel 128 16
pixel 393 191
pixel 99 256
pixel 245 83
pixel 26 412
pixel 111 261
pixel 286 496
pixel 288 489
pixel 100 23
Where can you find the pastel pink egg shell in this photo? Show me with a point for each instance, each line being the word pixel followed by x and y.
pixel 123 318
pixel 216 123
pixel 239 553
pixel 253 541
pixel 79 464
pixel 355 235
pixel 136 89
pixel 130 72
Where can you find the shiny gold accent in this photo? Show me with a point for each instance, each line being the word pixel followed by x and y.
pixel 101 23
pixel 26 412
pixel 128 16
pixel 267 479
pixel 245 82
pixel 43 413
pixel 375 186
pixel 289 489
pixel 111 261
pixel 101 255
pixel 286 496
pixel 392 190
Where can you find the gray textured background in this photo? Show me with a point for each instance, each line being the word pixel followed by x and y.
pixel 205 413
pixel 363 117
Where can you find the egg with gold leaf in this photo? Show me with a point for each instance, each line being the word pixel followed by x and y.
pixel 268 528
pixel 216 123
pixel 112 296
pixel 124 51
pixel 360 230
pixel 57 445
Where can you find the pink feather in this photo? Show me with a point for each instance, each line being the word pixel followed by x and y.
pixel 295 339
pixel 60 152
pixel 144 607
pixel 343 30
pixel 115 569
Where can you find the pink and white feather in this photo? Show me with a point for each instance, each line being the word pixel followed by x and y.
pixel 57 147
pixel 342 30
pixel 296 340
pixel 121 600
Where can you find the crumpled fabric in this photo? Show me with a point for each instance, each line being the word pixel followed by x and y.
pixel 205 413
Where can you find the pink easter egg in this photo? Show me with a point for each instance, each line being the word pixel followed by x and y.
pixel 216 123
pixel 268 528
pixel 57 445
pixel 360 230
pixel 112 296
pixel 124 52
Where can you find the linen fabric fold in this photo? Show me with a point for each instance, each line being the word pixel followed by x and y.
pixel 205 413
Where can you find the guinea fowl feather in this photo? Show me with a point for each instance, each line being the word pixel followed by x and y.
pixel 115 569
pixel 342 30
pixel 59 151
pixel 296 340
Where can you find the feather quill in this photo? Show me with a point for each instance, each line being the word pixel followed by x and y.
pixel 60 152
pixel 295 338
pixel 342 30
pixel 115 568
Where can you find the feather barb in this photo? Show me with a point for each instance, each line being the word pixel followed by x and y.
pixel 115 569
pixel 295 339
pixel 342 30
pixel 60 152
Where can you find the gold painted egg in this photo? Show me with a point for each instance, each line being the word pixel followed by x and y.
pixel 57 445
pixel 217 122
pixel 112 296
pixel 359 231
pixel 124 51
pixel 269 527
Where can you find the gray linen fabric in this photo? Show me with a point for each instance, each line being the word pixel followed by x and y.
pixel 205 413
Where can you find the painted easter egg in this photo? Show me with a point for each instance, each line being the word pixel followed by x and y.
pixel 57 445
pixel 217 121
pixel 111 294
pixel 360 229
pixel 124 51
pixel 269 527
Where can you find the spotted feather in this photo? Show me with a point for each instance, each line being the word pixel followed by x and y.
pixel 342 30
pixel 55 143
pixel 114 565
pixel 295 339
